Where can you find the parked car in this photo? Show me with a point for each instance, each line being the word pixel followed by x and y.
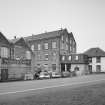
pixel 56 75
pixel 66 74
pixel 44 75
pixel 28 76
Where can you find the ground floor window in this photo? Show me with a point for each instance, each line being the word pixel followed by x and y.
pixel 98 68
pixel 54 67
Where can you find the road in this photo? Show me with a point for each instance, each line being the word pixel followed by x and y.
pixel 15 90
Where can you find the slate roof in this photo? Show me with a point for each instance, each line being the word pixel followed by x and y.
pixel 2 37
pixel 45 35
pixel 95 52
pixel 21 42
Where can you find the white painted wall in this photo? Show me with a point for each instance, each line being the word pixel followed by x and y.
pixel 102 64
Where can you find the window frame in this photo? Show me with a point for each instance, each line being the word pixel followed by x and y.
pixel 46 45
pixel 46 57
pixel 39 46
pixel 54 44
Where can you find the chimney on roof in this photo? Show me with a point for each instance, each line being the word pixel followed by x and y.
pixel 14 37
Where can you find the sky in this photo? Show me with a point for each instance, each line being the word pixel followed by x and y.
pixel 84 18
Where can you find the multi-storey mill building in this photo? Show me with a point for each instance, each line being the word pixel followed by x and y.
pixel 48 48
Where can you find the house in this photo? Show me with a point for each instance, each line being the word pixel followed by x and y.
pixel 75 62
pixel 20 62
pixel 96 58
pixel 47 48
pixel 15 58
pixel 4 54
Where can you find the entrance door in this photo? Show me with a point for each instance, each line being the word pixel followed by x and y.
pixel 62 67
pixel 90 69
pixel 4 74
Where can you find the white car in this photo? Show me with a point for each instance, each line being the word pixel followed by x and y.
pixel 56 75
pixel 28 76
pixel 44 75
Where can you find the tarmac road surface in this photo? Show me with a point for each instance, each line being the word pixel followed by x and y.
pixel 15 90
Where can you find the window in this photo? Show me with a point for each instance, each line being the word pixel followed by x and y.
pixel 70 41
pixel 46 46
pixel 74 49
pixel 4 52
pixel 32 47
pixel 70 49
pixel 54 67
pixel 98 59
pixel 28 55
pixel 39 57
pixel 62 45
pixel 63 58
pixel 54 45
pixel 12 53
pixel 62 38
pixel 66 39
pixel 66 46
pixel 46 56
pixel 39 47
pixel 90 59
pixel 69 58
pixel 76 57
pixel 98 68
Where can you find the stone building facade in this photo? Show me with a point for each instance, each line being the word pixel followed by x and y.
pixel 47 48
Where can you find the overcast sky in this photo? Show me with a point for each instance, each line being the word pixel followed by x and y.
pixel 85 18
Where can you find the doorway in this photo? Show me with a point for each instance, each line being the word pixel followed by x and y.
pixel 65 66
pixel 4 74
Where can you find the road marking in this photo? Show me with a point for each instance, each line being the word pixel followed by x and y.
pixel 27 90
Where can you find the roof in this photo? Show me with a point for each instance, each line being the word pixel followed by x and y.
pixel 95 52
pixel 2 37
pixel 21 42
pixel 45 35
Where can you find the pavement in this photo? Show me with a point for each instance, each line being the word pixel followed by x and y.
pixel 20 89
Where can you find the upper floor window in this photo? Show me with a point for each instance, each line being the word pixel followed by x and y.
pixel 46 56
pixel 4 52
pixel 70 49
pixel 54 45
pixel 74 49
pixel 39 46
pixel 70 41
pixel 66 46
pixel 12 53
pixel 98 59
pixel 39 57
pixel 90 59
pixel 69 58
pixel 46 46
pixel 66 39
pixel 62 37
pixel 28 55
pixel 76 57
pixel 63 58
pixel 32 47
